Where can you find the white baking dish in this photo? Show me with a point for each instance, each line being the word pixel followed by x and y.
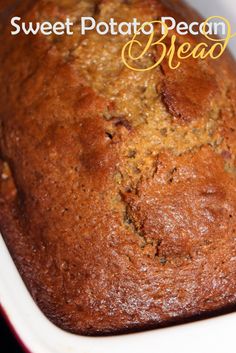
pixel 39 335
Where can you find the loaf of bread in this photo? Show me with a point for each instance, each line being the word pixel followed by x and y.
pixel 117 187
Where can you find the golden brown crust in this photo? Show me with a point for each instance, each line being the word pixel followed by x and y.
pixel 201 87
pixel 118 189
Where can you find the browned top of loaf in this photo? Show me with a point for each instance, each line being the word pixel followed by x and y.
pixel 118 188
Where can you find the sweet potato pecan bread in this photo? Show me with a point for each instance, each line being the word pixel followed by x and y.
pixel 118 187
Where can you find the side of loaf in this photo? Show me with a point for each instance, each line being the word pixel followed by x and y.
pixel 117 187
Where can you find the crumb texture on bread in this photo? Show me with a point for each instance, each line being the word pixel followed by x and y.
pixel 117 188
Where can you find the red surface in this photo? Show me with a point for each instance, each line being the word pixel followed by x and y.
pixel 14 330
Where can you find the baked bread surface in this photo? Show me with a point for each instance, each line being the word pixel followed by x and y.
pixel 117 188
